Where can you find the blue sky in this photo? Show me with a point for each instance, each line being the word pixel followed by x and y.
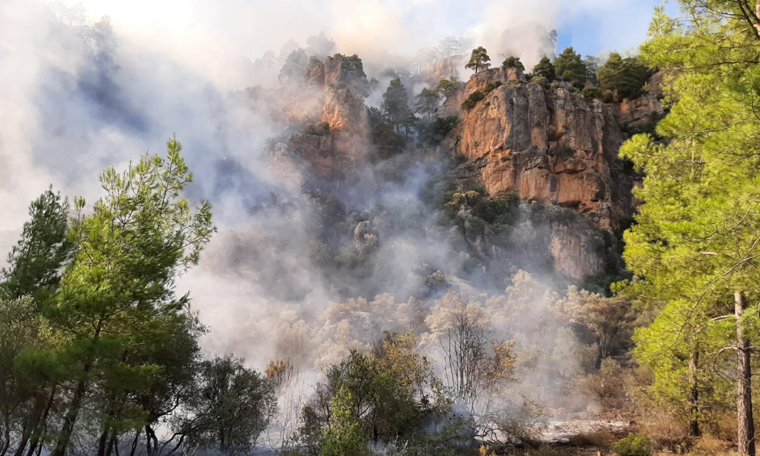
pixel 616 29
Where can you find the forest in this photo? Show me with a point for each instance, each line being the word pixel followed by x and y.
pixel 355 283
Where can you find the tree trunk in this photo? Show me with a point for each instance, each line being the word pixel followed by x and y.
pixel 67 428
pixel 25 434
pixel 42 424
pixel 102 441
pixel 746 434
pixel 694 394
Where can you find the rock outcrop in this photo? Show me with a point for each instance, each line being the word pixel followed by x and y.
pixel 335 155
pixel 553 146
pixel 557 147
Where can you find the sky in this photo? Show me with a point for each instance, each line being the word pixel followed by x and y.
pixel 250 27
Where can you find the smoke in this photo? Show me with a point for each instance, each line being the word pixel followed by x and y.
pixel 80 92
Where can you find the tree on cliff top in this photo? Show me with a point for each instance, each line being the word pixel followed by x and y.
pixel 513 62
pixel 545 69
pixel 570 67
pixel 479 59
pixel 625 77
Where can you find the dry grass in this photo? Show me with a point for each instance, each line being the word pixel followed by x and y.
pixel 600 439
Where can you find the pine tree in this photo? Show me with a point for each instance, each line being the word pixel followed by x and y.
pixel 545 69
pixel 427 102
pixel 695 243
pixel 570 67
pixel 119 289
pixel 479 59
pixel 36 261
pixel 513 62
pixel 396 104
pixel 624 77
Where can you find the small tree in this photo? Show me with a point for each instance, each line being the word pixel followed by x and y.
pixel 36 261
pixel 427 102
pixel 624 77
pixel 571 68
pixel 545 69
pixel 396 103
pixel 231 408
pixel 479 59
pixel 513 62
pixel 295 66
pixel 447 87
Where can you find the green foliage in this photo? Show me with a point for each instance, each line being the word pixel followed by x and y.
pixel 344 437
pixel 448 88
pixel 435 132
pixel 383 395
pixel 570 68
pixel 634 445
pixel 472 100
pixel 592 93
pixel 479 59
pixel 387 142
pixel 230 407
pixel 318 129
pixel 36 261
pixel 118 291
pixel 443 125
pixel 395 104
pixel 513 62
pixel 294 69
pixel 690 247
pixel 545 69
pixel 624 77
pixel 352 73
pixel 427 102
pixel 491 86
pixel 540 80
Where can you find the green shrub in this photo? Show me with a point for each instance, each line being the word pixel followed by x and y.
pixel 540 80
pixel 443 126
pixel 634 445
pixel 491 86
pixel 513 62
pixel 592 93
pixel 319 129
pixel 473 100
pixel 608 96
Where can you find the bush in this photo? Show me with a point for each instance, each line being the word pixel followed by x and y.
pixel 491 86
pixel 592 93
pixel 540 80
pixel 436 132
pixel 473 100
pixel 608 96
pixel 598 439
pixel 625 77
pixel 634 445
pixel 319 129
pixel 513 62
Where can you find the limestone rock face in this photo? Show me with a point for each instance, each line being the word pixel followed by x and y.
pixel 640 111
pixel 332 157
pixel 555 147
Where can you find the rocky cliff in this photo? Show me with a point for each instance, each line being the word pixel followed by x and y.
pixel 553 146
pixel 330 110
pixel 550 145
